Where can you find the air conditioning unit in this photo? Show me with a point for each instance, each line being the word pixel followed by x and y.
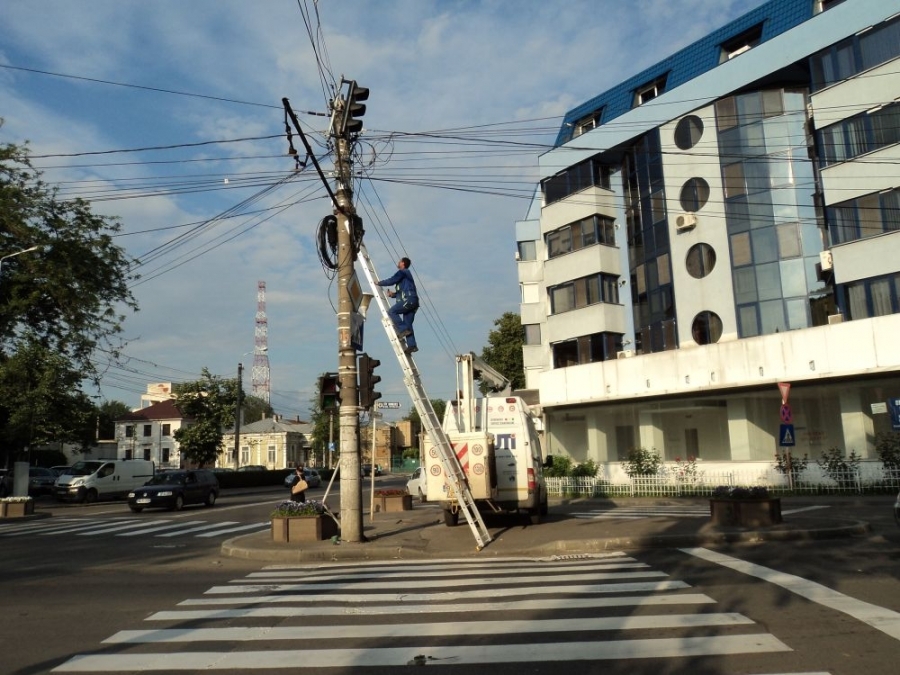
pixel 825 260
pixel 625 354
pixel 685 222
pixel 835 318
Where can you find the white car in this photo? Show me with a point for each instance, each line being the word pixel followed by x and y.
pixel 416 484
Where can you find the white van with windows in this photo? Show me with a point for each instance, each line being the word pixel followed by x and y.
pixel 92 479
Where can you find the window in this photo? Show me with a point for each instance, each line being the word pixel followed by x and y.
pixel 877 296
pixel 688 132
pixel 585 291
pixel 272 455
pixel 532 333
pixel 527 250
pixel 649 91
pixel 694 194
pixel 148 430
pixel 592 348
pixel 530 293
pixel 587 123
pixel 166 429
pixel 701 259
pixel 740 43
pixel 706 328
pixel 129 431
pixel 166 453
pixel 865 216
pixel 854 55
pixel 576 178
pixel 245 455
pixel 586 232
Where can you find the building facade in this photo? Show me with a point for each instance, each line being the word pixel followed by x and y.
pixel 149 433
pixel 726 221
pixel 271 442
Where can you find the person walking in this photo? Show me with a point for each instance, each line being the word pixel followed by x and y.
pixel 298 491
pixel 403 311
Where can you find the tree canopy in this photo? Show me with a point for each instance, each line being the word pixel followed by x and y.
pixel 504 349
pixel 209 403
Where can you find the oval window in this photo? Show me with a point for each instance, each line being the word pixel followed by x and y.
pixel 688 132
pixel 700 261
pixel 706 328
pixel 694 194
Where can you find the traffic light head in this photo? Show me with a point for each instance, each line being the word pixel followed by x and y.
pixel 329 391
pixel 367 381
pixel 354 109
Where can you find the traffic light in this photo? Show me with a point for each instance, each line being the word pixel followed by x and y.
pixel 353 109
pixel 329 391
pixel 367 381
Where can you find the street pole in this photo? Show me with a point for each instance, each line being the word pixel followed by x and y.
pixel 348 421
pixel 237 418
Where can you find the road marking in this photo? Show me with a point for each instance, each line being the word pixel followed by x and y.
pixel 885 620
pixel 803 508
pixel 405 608
pixel 454 654
pixel 240 528
pixel 113 528
pixel 201 528
pixel 150 528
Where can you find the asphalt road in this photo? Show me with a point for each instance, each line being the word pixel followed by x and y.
pixel 834 605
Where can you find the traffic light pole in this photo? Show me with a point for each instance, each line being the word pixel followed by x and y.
pixel 351 484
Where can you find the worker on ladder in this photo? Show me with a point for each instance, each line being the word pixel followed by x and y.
pixel 406 303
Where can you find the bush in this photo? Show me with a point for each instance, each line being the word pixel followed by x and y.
pixel 642 462
pixel 740 492
pixel 786 463
pixel 289 509
pixel 888 448
pixel 562 465
pixel 586 469
pixel 842 470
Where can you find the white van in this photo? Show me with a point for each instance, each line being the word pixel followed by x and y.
pixel 500 455
pixel 93 479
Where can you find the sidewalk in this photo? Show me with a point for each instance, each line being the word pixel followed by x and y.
pixel 421 533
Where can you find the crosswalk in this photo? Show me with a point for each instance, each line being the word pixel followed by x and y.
pixel 385 615
pixel 641 512
pixel 129 527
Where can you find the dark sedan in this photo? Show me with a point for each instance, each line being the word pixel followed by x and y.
pixel 174 489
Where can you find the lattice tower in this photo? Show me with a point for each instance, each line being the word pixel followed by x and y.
pixel 260 373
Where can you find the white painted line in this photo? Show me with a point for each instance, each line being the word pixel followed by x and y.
pixel 802 509
pixel 490 594
pixel 443 574
pixel 201 528
pixel 47 526
pixel 240 528
pixel 399 609
pixel 93 532
pixel 160 528
pixel 885 620
pixel 428 630
pixel 423 583
pixel 455 562
pixel 402 656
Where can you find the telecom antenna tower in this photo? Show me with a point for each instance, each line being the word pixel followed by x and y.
pixel 260 373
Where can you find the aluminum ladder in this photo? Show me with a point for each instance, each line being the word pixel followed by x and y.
pixel 456 477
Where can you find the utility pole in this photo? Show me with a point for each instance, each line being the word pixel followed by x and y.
pixel 237 419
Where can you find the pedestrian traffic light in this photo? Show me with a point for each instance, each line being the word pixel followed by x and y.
pixel 353 109
pixel 367 381
pixel 329 391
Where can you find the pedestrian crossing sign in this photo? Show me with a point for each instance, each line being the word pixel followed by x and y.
pixel 786 436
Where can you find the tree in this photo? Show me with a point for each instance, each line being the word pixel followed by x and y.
pixel 209 403
pixel 107 414
pixel 322 422
pixel 504 350
pixel 253 409
pixel 439 405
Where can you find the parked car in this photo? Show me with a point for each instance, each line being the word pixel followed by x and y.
pixel 60 469
pixel 311 476
pixel 416 484
pixel 174 489
pixel 41 481
pixel 5 483
pixel 897 509
pixel 252 467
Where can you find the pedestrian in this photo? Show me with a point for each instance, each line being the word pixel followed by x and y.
pixel 406 303
pixel 298 486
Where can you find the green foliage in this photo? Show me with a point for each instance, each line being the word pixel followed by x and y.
pixel 324 426
pixel 839 468
pixel 107 414
pixel 291 509
pixel 888 448
pixel 642 462
pixel 504 350
pixel 253 409
pixel 561 467
pixel 586 469
pixel 686 470
pixel 736 492
pixel 210 405
pixel 440 408
pixel 787 464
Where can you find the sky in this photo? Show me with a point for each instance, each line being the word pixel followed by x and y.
pixel 168 116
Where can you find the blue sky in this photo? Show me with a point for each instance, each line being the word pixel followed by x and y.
pixel 464 98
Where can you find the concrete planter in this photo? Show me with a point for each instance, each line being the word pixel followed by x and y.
pixel 16 509
pixel 303 528
pixel 391 503
pixel 746 512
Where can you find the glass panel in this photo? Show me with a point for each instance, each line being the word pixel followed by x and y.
pixel 581 293
pixel 856 296
pixel 658 202
pixel 768 281
pixel 788 240
pixel 749 107
pixel 796 313
pixel 756 173
pixel 749 321
pixel 752 139
pixel 886 125
pixel 562 298
pixel 641 280
pixel 532 333
pixel 890 214
pixel 844 60
pixel 737 214
pixel 793 278
pixel 662 264
pixel 880 291
pixel 700 261
pixel 780 171
pixel 857 139
pixel 765 246
pixel 527 250
pixel 726 113
pixel 771 103
pixel 740 249
pixel 771 316
pixel 832 142
pixel 745 285
pixel 734 180
pixel 760 205
pixel 880 45
pixel 869 210
pixel 784 204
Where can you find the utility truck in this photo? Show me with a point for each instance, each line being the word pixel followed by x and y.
pixel 497 445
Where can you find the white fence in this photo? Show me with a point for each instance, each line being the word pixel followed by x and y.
pixel 671 481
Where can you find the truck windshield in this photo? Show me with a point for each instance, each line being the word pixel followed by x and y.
pixel 84 468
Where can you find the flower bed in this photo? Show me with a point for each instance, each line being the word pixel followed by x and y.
pixel 744 507
pixel 394 500
pixel 16 507
pixel 302 521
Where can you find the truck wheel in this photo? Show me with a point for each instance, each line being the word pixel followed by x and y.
pixel 422 496
pixel 536 516
pixel 135 509
pixel 90 496
pixel 451 518
pixel 211 498
pixel 179 503
pixel 545 509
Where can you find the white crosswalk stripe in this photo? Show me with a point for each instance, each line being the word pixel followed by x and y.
pixel 641 512
pixel 128 527
pixel 461 612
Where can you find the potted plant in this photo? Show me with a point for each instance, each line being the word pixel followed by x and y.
pixel 744 506
pixel 302 521
pixel 16 507
pixel 394 499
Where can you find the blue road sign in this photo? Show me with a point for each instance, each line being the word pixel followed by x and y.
pixel 786 435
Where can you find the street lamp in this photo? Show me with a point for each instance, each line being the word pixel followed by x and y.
pixel 13 255
pixel 237 412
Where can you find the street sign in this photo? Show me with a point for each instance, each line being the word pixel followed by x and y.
pixel 787 416
pixel 386 404
pixel 785 389
pixel 786 435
